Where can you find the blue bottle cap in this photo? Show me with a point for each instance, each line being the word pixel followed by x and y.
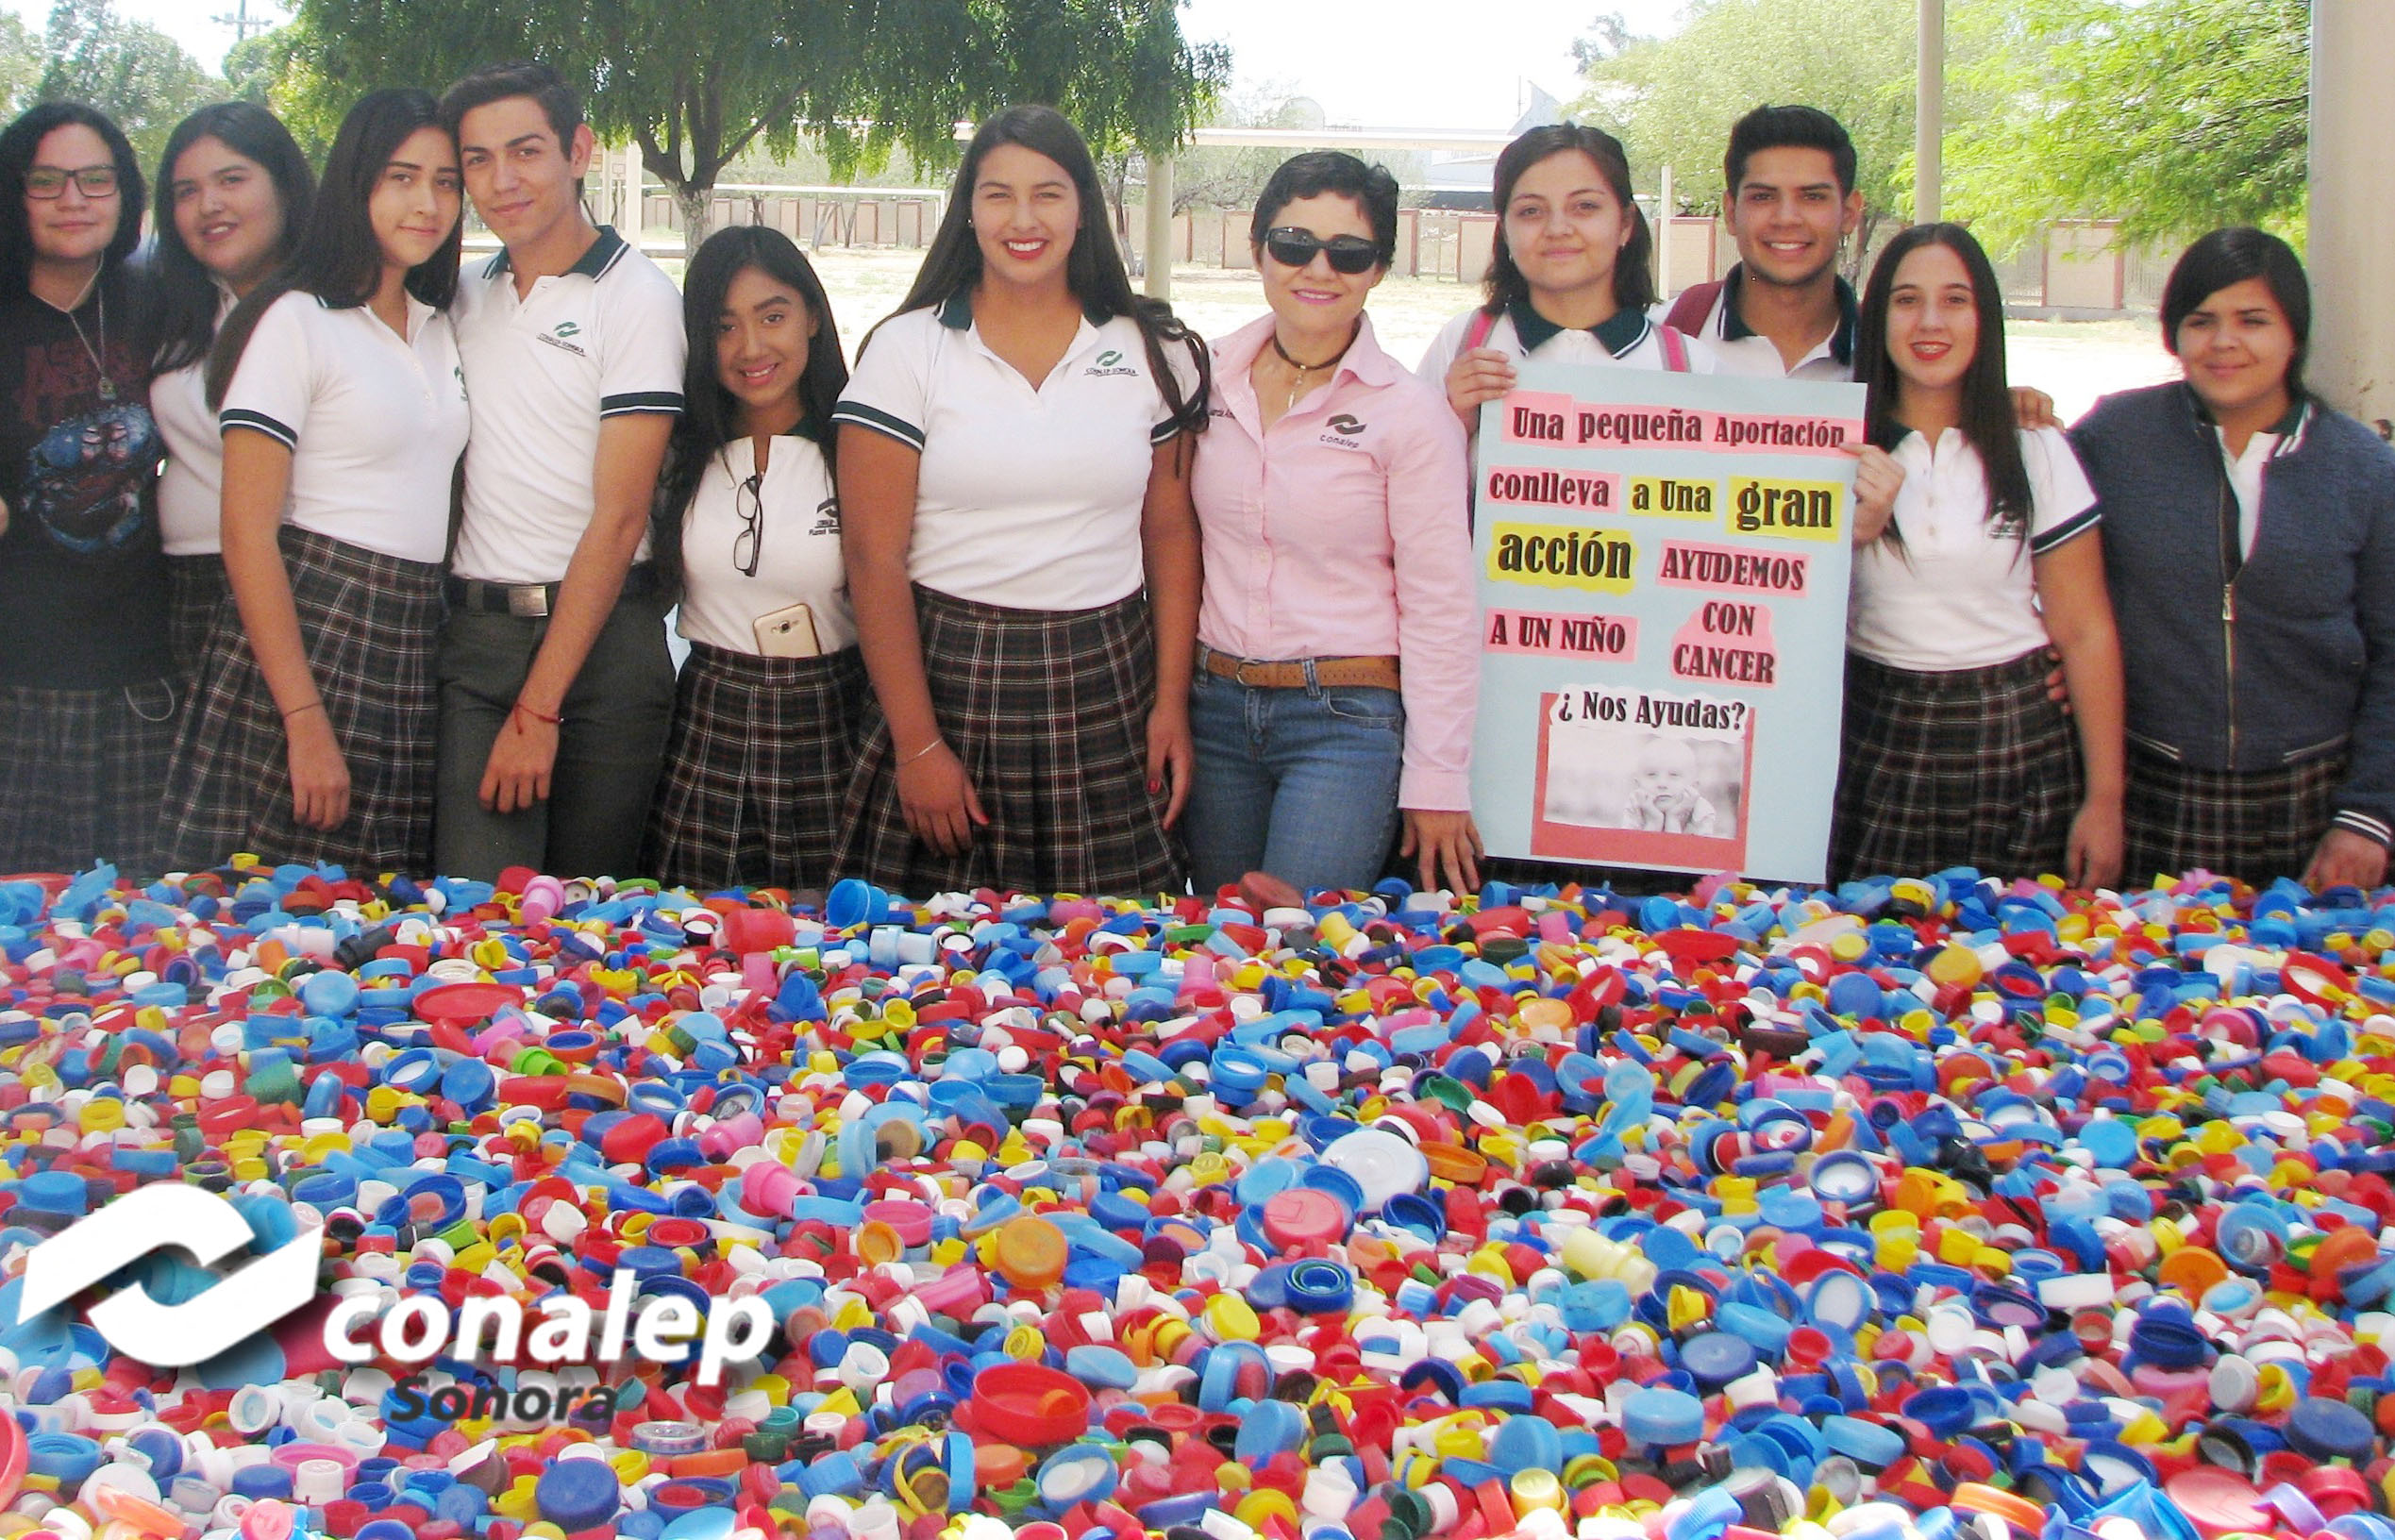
pixel 1317 1287
pixel 1526 1443
pixel 698 1524
pixel 1715 1358
pixel 1864 1443
pixel 1659 1416
pixel 2326 1430
pixel 576 1495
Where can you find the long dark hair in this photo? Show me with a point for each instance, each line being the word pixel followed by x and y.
pixel 182 315
pixel 338 260
pixel 1987 418
pixel 710 414
pixel 1093 271
pixel 1634 265
pixel 2233 256
pixel 18 143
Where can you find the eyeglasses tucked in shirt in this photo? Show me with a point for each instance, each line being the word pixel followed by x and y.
pixel 51 182
pixel 749 499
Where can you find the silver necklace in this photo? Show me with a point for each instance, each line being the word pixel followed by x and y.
pixel 108 386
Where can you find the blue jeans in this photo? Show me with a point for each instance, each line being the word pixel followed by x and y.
pixel 1300 783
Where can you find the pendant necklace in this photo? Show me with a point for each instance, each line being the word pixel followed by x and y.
pixel 1297 385
pixel 108 386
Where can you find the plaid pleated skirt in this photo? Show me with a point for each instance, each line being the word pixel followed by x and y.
pixel 2256 826
pixel 196 586
pixel 369 623
pixel 1975 767
pixel 757 766
pixel 79 776
pixel 1048 712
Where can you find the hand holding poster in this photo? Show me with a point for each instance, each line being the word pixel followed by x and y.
pixel 1663 564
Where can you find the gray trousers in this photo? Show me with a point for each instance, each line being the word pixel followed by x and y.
pixel 610 748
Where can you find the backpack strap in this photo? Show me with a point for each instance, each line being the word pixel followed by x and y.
pixel 1675 347
pixel 1689 310
pixel 1476 334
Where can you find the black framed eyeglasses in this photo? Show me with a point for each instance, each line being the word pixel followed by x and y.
pixel 51 182
pixel 749 500
pixel 1294 247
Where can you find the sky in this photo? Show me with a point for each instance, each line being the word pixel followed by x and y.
pixel 1375 64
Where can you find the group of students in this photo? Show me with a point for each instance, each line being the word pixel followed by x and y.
pixel 1051 594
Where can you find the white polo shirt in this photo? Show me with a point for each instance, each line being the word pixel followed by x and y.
pixel 1628 339
pixel 1742 351
pixel 189 505
pixel 797 549
pixel 1028 498
pixel 2245 470
pixel 602 338
pixel 374 423
pixel 1959 594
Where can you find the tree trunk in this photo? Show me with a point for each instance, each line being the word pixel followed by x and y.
pixel 695 203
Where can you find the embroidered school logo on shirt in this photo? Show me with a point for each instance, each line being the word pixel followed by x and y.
pixel 555 337
pixel 1108 365
pixel 1345 432
pixel 827 517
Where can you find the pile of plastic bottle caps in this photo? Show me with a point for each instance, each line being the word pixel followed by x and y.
pixel 1939 1208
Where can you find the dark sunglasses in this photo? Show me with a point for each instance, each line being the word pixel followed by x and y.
pixel 1348 254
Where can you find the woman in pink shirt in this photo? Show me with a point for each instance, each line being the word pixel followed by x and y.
pixel 1338 663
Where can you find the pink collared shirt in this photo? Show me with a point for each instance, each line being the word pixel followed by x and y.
pixel 1343 532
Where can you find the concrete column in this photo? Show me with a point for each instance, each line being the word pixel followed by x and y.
pixel 2351 254
pixel 1664 210
pixel 1160 226
pixel 1928 113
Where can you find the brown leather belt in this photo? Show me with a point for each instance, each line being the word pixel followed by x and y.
pixel 1373 673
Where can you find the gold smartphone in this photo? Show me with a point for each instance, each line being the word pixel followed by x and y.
pixel 788 634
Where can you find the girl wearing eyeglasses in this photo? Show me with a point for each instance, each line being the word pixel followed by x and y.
pixel 344 412
pixel 1337 661
pixel 1014 452
pixel 766 712
pixel 1570 279
pixel 233 191
pixel 87 695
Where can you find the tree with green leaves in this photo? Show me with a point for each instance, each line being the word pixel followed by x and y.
pixel 694 83
pixel 21 65
pixel 1672 100
pixel 129 70
pixel 2174 119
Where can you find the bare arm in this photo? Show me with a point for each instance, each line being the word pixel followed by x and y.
pixel 2078 608
pixel 877 525
pixel 256 482
pixel 1171 546
pixel 630 449
pixel 1479 376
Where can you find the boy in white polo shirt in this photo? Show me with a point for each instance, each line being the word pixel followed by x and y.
pixel 555 686
pixel 1790 202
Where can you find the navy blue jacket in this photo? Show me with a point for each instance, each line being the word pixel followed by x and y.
pixel 2264 661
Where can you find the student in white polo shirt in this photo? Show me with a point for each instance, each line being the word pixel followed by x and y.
pixel 343 412
pixel 1977 543
pixel 1569 279
pixel 1782 311
pixel 766 712
pixel 1789 200
pixel 1014 455
pixel 555 686
pixel 233 193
